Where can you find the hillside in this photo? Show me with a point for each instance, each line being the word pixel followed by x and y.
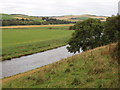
pixel 19 19
pixel 91 69
pixel 20 16
pixel 80 17
pixel 67 17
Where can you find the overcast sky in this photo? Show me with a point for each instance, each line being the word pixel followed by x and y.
pixel 59 7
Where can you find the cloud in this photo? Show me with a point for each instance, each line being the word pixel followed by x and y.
pixel 59 7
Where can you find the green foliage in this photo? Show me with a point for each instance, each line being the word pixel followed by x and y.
pixel 92 33
pixel 88 35
pixel 72 27
pixel 54 21
pixel 19 22
pixel 112 29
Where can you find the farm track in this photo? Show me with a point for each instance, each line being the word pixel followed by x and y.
pixel 30 26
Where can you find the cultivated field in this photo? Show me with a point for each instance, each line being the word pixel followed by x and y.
pixel 19 42
pixel 79 17
pixel 30 26
pixel 91 69
pixel 20 16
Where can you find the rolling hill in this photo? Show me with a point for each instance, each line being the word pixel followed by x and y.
pixel 20 16
pixel 20 19
pixel 67 17
pixel 80 17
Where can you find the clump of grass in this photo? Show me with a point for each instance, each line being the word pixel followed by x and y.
pixel 52 72
pixel 40 79
pixel 96 71
pixel 76 81
pixel 31 78
pixel 71 65
pixel 115 54
pixel 89 79
pixel 67 70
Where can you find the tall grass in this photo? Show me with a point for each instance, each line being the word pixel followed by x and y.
pixel 90 69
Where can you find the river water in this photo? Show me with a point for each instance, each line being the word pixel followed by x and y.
pixel 26 63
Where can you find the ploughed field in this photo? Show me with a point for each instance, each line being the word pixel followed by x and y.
pixel 24 41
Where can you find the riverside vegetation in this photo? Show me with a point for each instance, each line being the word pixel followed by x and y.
pixel 91 69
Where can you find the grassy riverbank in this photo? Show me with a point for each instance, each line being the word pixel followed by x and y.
pixel 91 69
pixel 25 41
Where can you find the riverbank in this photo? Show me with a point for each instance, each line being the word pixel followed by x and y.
pixel 22 42
pixel 91 69
pixel 30 62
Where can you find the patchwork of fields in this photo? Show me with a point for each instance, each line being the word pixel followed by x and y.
pixel 19 42
pixel 76 18
pixel 20 16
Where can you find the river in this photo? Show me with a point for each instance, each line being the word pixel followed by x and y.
pixel 26 63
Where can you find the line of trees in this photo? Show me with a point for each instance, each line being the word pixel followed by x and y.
pixel 19 22
pixel 49 20
pixel 46 21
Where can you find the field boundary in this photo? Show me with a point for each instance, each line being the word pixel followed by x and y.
pixel 29 26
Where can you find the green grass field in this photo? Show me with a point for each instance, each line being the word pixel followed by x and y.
pixel 20 42
pixel 9 17
pixel 90 69
pixel 29 17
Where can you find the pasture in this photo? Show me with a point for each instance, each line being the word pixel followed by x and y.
pixel 10 17
pixel 19 42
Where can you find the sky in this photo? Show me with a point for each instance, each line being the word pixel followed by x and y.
pixel 59 7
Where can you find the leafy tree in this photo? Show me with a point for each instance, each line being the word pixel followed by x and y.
pixel 112 28
pixel 88 35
